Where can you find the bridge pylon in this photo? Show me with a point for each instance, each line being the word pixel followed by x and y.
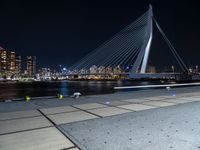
pixel 140 64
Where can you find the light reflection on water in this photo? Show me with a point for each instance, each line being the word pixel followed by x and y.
pixel 63 88
pixel 37 89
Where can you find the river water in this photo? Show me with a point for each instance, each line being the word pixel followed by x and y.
pixel 38 89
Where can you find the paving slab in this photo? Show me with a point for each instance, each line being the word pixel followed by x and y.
pixel 178 101
pixel 55 110
pixel 158 103
pixel 115 103
pixel 191 98
pixel 139 100
pixel 109 111
pixel 90 106
pixel 155 98
pixel 166 97
pixel 71 117
pixel 168 128
pixel 41 139
pixel 195 93
pixel 17 125
pixel 190 94
pixel 136 107
pixel 196 96
pixel 19 114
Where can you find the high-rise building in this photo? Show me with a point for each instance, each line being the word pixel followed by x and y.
pixel 11 62
pixel 31 65
pixel 3 60
pixel 18 65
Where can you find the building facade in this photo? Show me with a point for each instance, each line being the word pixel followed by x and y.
pixel 31 66
pixel 10 63
pixel 18 65
pixel 3 60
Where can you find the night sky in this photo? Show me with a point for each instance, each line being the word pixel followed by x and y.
pixel 63 32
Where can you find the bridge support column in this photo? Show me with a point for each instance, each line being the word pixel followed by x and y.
pixel 140 64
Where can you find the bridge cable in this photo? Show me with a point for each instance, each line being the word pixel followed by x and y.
pixel 179 60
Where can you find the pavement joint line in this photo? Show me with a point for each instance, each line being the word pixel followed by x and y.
pixel 93 108
pixel 54 124
pixel 69 148
pixel 81 146
pixel 90 108
pixel 79 121
pixel 25 130
pixel 121 108
pixel 142 104
pixel 171 102
pixel 156 106
pixel 20 118
pixel 163 100
pixel 155 100
pixel 139 102
pixel 185 101
pixel 88 112
pixel 150 105
pixel 126 101
pixel 61 112
pixel 126 108
pixel 113 101
pixel 136 110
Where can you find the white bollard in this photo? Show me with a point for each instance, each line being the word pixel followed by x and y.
pixel 168 88
pixel 76 94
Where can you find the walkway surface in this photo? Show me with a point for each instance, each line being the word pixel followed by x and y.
pixel 136 120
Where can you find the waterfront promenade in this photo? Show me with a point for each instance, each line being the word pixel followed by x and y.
pixel 153 119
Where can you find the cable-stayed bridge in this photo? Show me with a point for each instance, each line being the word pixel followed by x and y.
pixel 127 52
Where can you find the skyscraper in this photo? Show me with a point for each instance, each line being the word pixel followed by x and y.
pixel 3 60
pixel 18 65
pixel 11 62
pixel 31 65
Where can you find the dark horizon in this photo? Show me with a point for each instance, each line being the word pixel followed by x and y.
pixel 63 32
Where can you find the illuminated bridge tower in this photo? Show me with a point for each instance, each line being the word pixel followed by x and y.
pixel 140 64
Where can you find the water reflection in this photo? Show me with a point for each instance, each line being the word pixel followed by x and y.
pixel 17 90
pixel 63 88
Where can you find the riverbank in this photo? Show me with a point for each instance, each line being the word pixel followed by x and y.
pixel 40 89
pixel 101 98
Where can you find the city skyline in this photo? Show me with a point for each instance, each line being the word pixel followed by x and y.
pixel 75 31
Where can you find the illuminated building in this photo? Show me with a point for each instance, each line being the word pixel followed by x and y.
pixel 101 69
pixel 18 65
pixel 11 62
pixel 31 65
pixel 93 69
pixel 45 73
pixel 109 70
pixel 151 69
pixel 3 60
pixel 117 70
